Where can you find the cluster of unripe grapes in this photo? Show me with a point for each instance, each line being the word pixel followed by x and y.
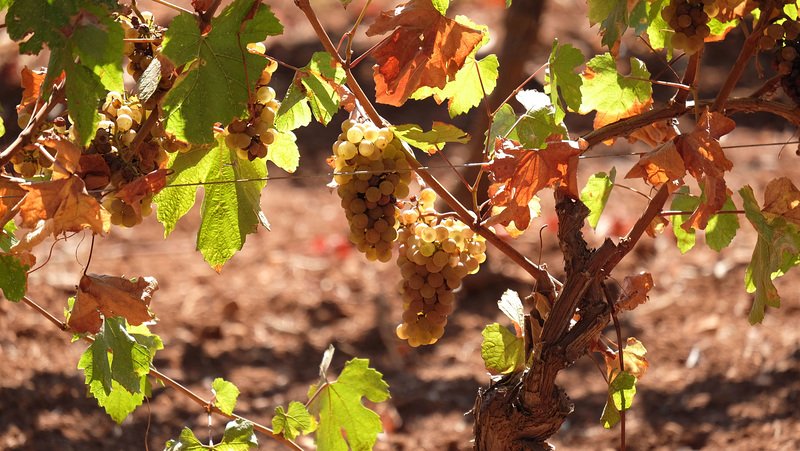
pixel 30 162
pixel 372 173
pixel 689 19
pixel 434 255
pixel 782 40
pixel 124 215
pixel 251 138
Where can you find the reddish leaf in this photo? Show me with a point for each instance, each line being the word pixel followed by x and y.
pixel 782 198
pixel 10 195
pixel 111 296
pixel 34 236
pixel 635 361
pixel 67 203
pixel 31 82
pixel 94 171
pixel 733 9
pixel 704 159
pixel 135 191
pixel 634 290
pixel 425 49
pixel 655 134
pixel 201 6
pixel 661 165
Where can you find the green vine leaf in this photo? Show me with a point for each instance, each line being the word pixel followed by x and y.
pixel 215 84
pixel 722 228
pixel 562 78
pixel 225 394
pixel 431 141
pixel 230 211
pixel 613 95
pixel 502 351
pixel 294 111
pixel 292 422
pixel 13 277
pixel 539 120
pixel 683 201
pixel 284 153
pixel 238 436
pixel 620 397
pixel 596 192
pixel 7 238
pixel 776 252
pixel 339 409
pixel 658 31
pixel 321 78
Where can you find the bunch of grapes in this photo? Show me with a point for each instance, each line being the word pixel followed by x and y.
pixel 435 254
pixel 125 215
pixel 689 19
pixel 251 138
pixel 30 162
pixel 371 172
pixel 782 40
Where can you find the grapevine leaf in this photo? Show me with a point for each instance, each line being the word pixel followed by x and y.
pixel 294 111
pixel 432 141
pixel 615 23
pixel 683 202
pixel 658 30
pixel 34 23
pixel 225 394
pixel 425 49
pixel 613 95
pixel 539 121
pixel 620 396
pixel 511 306
pixel 782 199
pixel 562 78
pixel 100 49
pixel 596 192
pixel 502 351
pixel 339 409
pixel 2 126
pixel 722 228
pixel 67 203
pixel 635 362
pixel 292 422
pixel 135 191
pixel 776 252
pixel 238 436
pixel 441 5
pixel 10 195
pixel 144 337
pixel 284 153
pixel 214 86
pixel 7 238
pixel 13 277
pixel 111 296
pixel 319 78
pixel 230 211
pixel 130 362
pixel 634 290
pixel 119 403
pixel 503 123
pixel 733 9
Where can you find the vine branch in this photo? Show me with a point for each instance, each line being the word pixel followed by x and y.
pixel 56 97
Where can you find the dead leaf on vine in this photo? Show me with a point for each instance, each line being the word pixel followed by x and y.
pixel 782 199
pixel 34 236
pixel 603 118
pixel 634 290
pixel 654 134
pixel 656 226
pixel 425 49
pixel 661 165
pixel 111 296
pixel 31 83
pixel 733 9
pixel 10 195
pixel 94 171
pixel 705 160
pixel 67 156
pixel 135 191
pixel 635 361
pixel 67 203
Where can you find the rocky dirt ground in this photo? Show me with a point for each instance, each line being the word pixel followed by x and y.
pixel 714 381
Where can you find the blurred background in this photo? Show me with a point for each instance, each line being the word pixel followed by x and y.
pixel 714 381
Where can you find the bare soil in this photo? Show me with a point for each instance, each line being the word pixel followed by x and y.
pixel 714 381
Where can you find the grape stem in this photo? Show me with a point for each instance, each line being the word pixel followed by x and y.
pixel 465 215
pixel 209 407
pixel 56 97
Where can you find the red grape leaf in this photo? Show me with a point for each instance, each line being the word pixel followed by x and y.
pixel 94 171
pixel 425 49
pixel 142 187
pixel 634 290
pixel 660 165
pixel 782 198
pixel 655 133
pixel 67 203
pixel 111 296
pixel 10 195
pixel 31 82
pixel 704 159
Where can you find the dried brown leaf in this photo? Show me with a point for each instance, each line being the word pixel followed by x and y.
pixel 634 290
pixel 782 198
pixel 102 295
pixel 67 203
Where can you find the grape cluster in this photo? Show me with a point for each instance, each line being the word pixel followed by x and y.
pixel 30 162
pixel 125 215
pixel 782 40
pixel 371 172
pixel 435 254
pixel 251 138
pixel 689 19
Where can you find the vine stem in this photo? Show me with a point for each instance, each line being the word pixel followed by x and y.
pixel 56 97
pixel 207 405
pixel 464 215
pixel 749 48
